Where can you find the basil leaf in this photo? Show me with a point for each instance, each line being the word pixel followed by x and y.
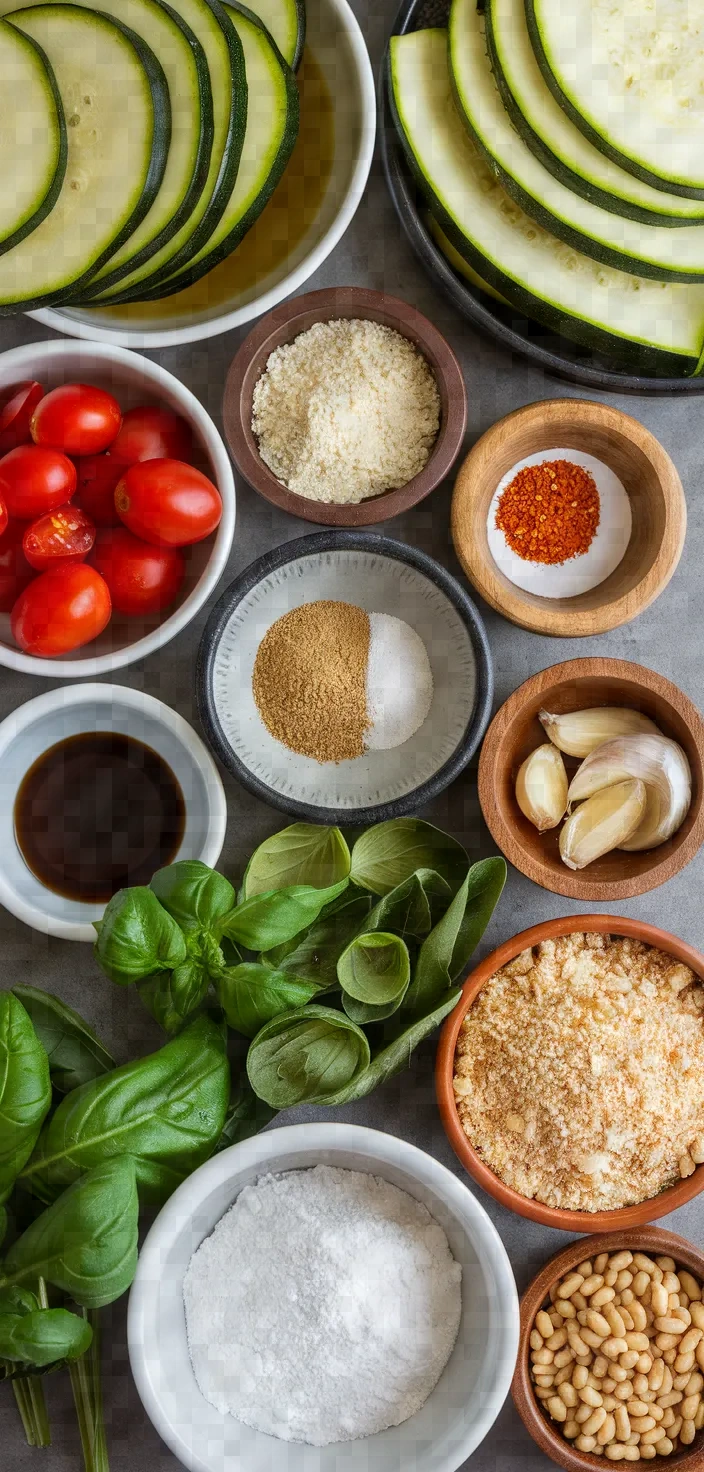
pixel 193 893
pixel 18 1300
pixel 137 937
pixel 86 1242
pixel 390 853
pixel 431 977
pixel 397 1054
pixel 306 1057
pixel 485 883
pixel 246 1116
pixel 172 997
pixel 166 1111
pixel 365 1013
pixel 375 968
pixel 315 955
pixel 408 909
pixel 303 853
pixel 272 918
pixel 44 1336
pixel 75 1054
pixel 25 1089
pixel 3 1224
pixel 251 994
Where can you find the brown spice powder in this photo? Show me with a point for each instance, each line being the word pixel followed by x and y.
pixel 309 680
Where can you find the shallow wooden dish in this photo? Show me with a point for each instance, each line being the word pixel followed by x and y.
pixel 651 1240
pixel 287 322
pixel 516 731
pixel 649 477
pixel 625 1217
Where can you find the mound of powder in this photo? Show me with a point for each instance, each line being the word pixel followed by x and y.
pixel 323 1307
pixel 399 682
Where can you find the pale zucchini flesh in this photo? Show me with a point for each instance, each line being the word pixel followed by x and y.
pixel 647 250
pixel 655 327
pixel 285 21
pixel 33 145
pixel 458 263
pixel 556 140
pixel 630 76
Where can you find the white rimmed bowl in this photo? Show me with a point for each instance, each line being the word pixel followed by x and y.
pixel 72 710
pixel 472 1388
pixel 133 380
pixel 336 42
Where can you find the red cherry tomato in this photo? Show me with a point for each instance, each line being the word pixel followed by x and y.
pixel 64 535
pixel 17 404
pixel 15 571
pixel 60 610
pixel 4 518
pixel 77 418
pixel 168 503
pixel 141 579
pixel 97 478
pixel 152 434
pixel 34 480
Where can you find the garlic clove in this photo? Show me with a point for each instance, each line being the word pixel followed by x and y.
pixel 602 823
pixel 657 761
pixel 541 787
pixel 578 732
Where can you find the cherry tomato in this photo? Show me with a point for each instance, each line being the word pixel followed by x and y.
pixel 167 503
pixel 17 404
pixel 34 480
pixel 97 478
pixel 142 579
pixel 77 418
pixel 4 518
pixel 64 535
pixel 15 571
pixel 152 434
pixel 60 610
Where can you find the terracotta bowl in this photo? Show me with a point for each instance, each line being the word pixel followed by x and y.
pixel 651 1240
pixel 516 731
pixel 295 317
pixel 648 476
pixel 550 1216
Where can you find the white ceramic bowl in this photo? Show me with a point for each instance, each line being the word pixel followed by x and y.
pixel 74 709
pixel 472 1388
pixel 336 43
pixel 133 380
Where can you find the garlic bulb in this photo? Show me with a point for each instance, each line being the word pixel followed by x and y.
pixel 541 787
pixel 578 732
pixel 658 762
pixel 602 823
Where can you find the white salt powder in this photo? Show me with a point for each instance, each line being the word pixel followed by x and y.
pixel 323 1307
pixel 399 682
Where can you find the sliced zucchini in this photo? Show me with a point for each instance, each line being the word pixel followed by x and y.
pixel 648 250
pixel 116 102
pixel 225 57
pixel 459 264
pixel 33 146
pixel 554 138
pixel 272 129
pixel 654 327
pixel 630 76
pixel 285 20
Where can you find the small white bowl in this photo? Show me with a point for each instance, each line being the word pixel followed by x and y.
pixel 133 380
pixel 472 1388
pixel 74 709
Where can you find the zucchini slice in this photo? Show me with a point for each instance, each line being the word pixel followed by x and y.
pixel 556 141
pixel 116 102
pixel 459 264
pixel 33 145
pixel 654 327
pixel 647 250
pixel 272 129
pixel 630 76
pixel 285 21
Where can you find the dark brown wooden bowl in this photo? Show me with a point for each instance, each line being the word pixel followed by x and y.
pixel 536 1421
pixel 288 321
pixel 516 731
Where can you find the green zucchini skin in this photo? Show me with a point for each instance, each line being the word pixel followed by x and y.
pixel 300 35
pixel 50 198
pixel 600 141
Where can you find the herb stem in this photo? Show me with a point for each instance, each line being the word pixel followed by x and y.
pixel 88 1397
pixel 81 1396
pixel 42 1429
pixel 21 1393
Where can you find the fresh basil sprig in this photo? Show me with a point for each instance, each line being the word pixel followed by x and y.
pixel 25 1089
pixel 303 853
pixel 38 1337
pixel 75 1054
pixel 307 1056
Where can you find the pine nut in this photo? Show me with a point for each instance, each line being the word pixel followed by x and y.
pixel 631 1454
pixel 667 1264
pixel 618 1373
pixel 543 1323
pixel 640 1283
pixel 637 1408
pixel 626 1297
pixel 689 1407
pixel 664 1447
pixel 612 1348
pixel 614 1320
pixel 678 1312
pixel 657 1375
pixel 623 1424
pixel 699 1418
pixel 638 1342
pixel 623 1391
pixel 670 1326
pixel 615 1452
pixel 667 1341
pixel 641 1423
pixel 570 1429
pixel 690 1284
pixel 684 1362
pixel 607 1431
pixel 595 1422
pixel 578 1299
pixel 644 1363
pixel 621 1260
pixel 672 1399
pixel 563 1357
pixel 668 1419
pixel 695 1384
pixel 690 1340
pixel 557 1409
pixel 565 1309
pixel 599 1325
pixel 580 1375
pixel 593 1338
pixel 624 1279
pixel 627 1316
pixel 542 1356
pixel 577 1345
pixel 556 1340
pixel 647 1452
pixel 643 1263
pixel 629 1360
pixel 568 1394
pixel 699 1353
pixel 609 1402
pixel 641 1387
pixel 585 1443
pixel 658 1300
pixel 570 1285
pixel 536 1340
pixel 591 1284
pixel 545 1380
pixel 585 1268
pixel 649 1438
pixel 590 1396
pixel 602 1296
pixel 639 1317
pixel 697 1312
pixel 670 1281
pixel 582 1414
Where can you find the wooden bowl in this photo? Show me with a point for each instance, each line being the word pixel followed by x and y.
pixel 649 1239
pixel 295 317
pixel 536 1211
pixel 648 476
pixel 516 731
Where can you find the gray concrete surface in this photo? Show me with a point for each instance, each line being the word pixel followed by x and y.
pixel 668 638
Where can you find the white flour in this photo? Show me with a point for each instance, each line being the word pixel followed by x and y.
pixel 399 682
pixel 323 1307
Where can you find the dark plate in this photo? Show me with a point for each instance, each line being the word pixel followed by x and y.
pixel 553 353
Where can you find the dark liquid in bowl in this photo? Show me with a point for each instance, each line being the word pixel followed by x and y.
pixel 96 813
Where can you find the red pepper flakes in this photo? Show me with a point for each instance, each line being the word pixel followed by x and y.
pixel 549 512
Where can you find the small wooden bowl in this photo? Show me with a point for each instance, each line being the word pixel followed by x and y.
pixel 295 317
pixel 651 1240
pixel 516 731
pixel 648 476
pixel 536 1211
